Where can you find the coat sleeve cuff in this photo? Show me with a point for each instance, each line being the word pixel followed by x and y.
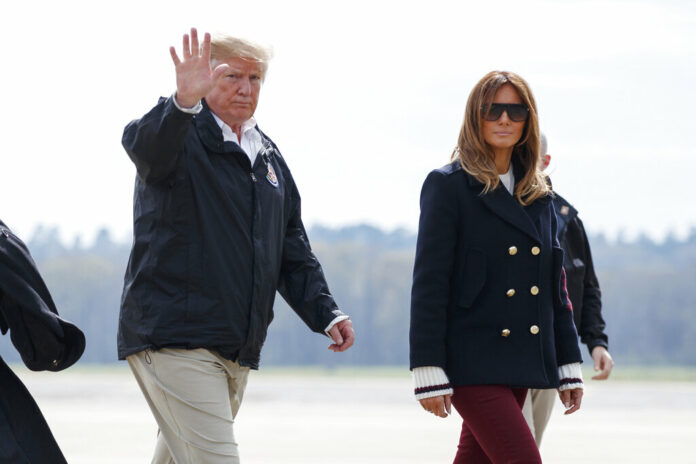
pixel 571 376
pixel 430 381
pixel 195 109
pixel 592 344
pixel 335 321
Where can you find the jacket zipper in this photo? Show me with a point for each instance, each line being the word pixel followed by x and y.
pixel 253 257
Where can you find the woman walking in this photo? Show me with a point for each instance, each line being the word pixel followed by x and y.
pixel 490 315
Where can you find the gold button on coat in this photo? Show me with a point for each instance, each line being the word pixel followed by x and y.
pixel 534 329
pixel 512 250
pixel 510 292
pixel 534 290
pixel 536 250
pixel 505 332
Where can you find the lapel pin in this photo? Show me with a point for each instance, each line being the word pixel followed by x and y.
pixel 271 176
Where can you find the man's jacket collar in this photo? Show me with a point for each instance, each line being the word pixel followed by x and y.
pixel 210 133
pixel 565 212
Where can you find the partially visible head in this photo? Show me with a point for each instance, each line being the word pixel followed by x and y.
pixel 544 157
pixel 236 94
pixel 478 157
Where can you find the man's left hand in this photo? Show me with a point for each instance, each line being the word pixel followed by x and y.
pixel 602 363
pixel 342 335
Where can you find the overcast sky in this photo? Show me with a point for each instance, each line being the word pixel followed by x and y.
pixel 363 99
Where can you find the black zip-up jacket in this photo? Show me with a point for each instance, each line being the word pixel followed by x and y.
pixel 214 238
pixel 583 287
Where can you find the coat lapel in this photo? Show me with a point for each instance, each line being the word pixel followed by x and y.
pixel 502 204
pixel 538 206
pixel 506 206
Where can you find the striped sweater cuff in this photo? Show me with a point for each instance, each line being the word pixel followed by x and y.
pixel 430 381
pixel 571 376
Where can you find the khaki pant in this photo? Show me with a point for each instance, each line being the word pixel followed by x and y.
pixel 537 410
pixel 194 396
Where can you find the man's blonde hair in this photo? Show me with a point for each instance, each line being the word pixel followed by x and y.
pixel 223 47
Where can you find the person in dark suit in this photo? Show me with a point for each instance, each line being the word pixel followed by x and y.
pixel 586 297
pixel 45 341
pixel 490 314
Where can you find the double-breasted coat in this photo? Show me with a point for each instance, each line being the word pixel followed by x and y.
pixel 488 302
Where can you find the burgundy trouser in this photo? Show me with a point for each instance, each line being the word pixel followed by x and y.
pixel 494 430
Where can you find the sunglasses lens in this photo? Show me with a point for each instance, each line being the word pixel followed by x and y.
pixel 492 112
pixel 517 113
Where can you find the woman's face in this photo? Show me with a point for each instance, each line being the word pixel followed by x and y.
pixel 503 133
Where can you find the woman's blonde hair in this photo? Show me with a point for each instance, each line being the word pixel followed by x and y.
pixel 477 157
pixel 223 47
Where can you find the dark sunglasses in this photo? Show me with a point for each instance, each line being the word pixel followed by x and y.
pixel 515 111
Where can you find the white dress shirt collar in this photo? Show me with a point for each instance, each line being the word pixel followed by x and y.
pixel 251 141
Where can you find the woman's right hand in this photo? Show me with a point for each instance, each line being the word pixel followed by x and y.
pixel 571 399
pixel 439 405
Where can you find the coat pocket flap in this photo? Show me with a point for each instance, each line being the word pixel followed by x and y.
pixel 471 278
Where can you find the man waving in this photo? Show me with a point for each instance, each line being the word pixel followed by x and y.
pixel 217 230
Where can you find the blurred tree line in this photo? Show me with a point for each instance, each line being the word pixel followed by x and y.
pixel 648 305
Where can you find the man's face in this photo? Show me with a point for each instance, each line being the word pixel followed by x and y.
pixel 236 94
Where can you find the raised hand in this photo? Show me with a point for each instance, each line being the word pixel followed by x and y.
pixel 194 76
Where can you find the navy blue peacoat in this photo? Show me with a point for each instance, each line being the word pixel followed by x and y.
pixel 488 302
